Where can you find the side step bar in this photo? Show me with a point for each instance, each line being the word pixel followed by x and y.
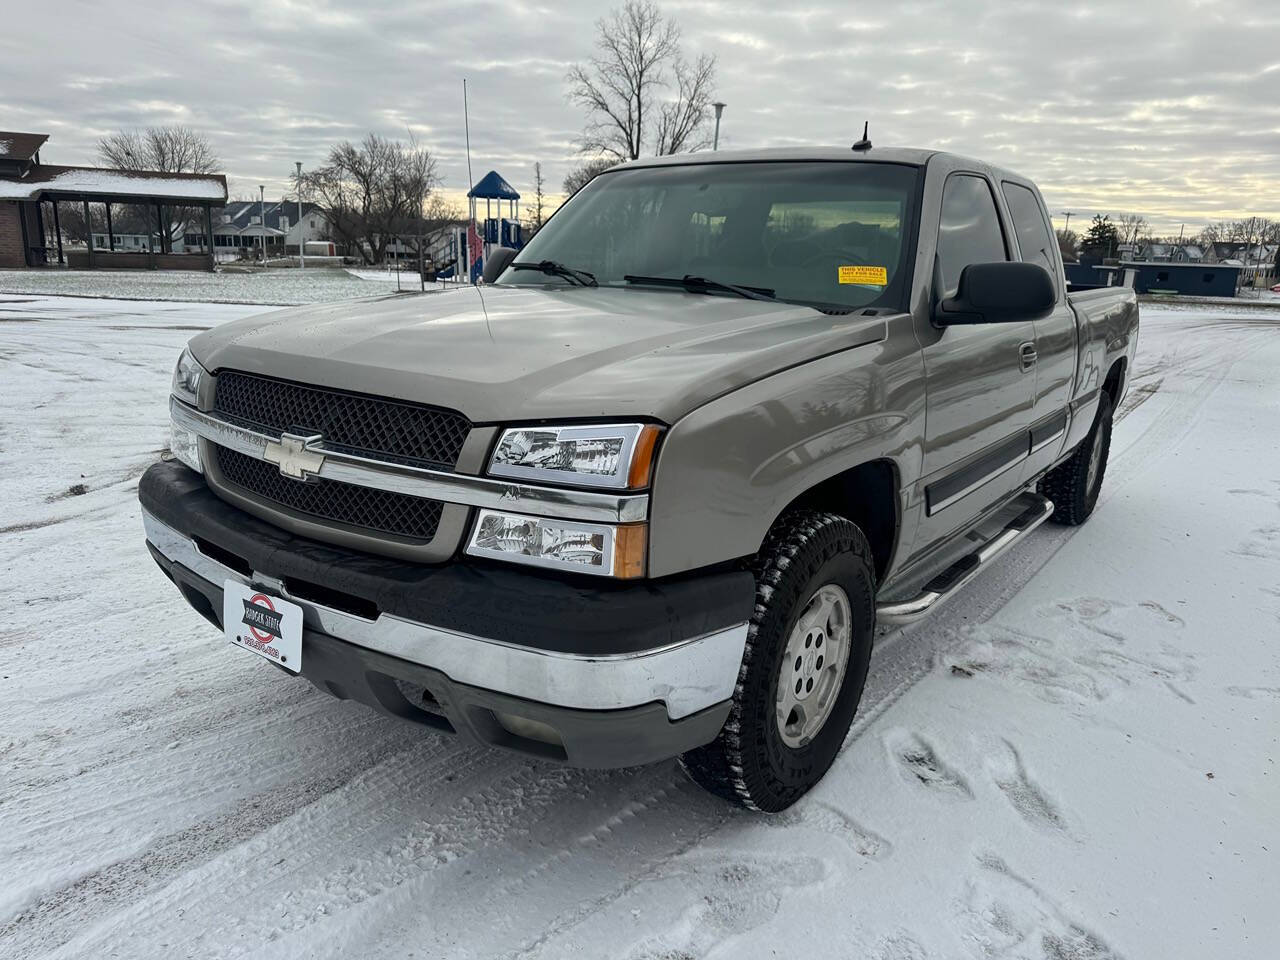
pixel 948 583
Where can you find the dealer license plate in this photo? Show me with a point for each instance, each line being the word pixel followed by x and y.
pixel 267 625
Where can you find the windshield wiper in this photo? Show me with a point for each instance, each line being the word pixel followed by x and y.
pixel 556 269
pixel 702 285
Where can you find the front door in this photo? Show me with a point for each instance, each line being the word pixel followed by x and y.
pixel 979 381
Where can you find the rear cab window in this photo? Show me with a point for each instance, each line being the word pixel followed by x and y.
pixel 1029 224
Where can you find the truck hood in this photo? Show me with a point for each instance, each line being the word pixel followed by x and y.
pixel 508 353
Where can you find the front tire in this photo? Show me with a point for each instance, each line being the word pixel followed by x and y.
pixel 805 663
pixel 1074 485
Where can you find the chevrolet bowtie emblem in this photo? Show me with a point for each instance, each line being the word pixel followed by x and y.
pixel 292 454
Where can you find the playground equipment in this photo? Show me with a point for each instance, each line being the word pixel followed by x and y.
pixel 498 231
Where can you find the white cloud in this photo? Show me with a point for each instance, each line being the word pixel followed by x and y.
pixel 1166 107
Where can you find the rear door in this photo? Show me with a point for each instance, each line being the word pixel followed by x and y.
pixel 1055 335
pixel 979 390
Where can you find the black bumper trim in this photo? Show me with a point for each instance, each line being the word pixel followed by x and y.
pixel 579 615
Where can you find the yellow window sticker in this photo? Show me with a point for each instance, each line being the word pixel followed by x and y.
pixel 869 276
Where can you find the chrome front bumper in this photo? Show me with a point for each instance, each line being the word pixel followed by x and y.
pixel 686 677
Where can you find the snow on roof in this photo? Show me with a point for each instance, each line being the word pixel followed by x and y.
pixel 119 183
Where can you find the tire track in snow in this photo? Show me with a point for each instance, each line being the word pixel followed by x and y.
pixel 49 921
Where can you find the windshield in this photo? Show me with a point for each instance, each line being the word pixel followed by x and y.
pixel 821 233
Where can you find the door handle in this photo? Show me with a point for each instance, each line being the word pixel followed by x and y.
pixel 1027 354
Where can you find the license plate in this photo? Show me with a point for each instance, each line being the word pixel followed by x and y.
pixel 267 625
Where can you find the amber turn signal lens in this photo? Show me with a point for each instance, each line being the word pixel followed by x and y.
pixel 641 471
pixel 629 543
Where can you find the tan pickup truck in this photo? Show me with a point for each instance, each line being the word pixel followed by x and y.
pixel 647 491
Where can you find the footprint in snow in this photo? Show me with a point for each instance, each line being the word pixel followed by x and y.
pixel 1011 916
pixel 831 819
pixel 1028 799
pixel 901 946
pixel 1263 544
pixel 1255 693
pixel 919 765
pixel 1089 651
pixel 1169 617
pixel 728 900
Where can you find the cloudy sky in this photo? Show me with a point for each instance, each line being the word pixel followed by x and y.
pixel 1170 108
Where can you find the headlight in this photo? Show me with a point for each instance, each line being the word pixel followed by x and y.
pixel 186 378
pixel 186 387
pixel 595 548
pixel 595 455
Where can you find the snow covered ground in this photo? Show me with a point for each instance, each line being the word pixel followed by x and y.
pixel 1076 760
pixel 271 287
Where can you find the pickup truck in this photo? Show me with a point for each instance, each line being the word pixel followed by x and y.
pixel 647 491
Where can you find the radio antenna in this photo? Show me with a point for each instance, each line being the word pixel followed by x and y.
pixel 864 143
pixel 466 122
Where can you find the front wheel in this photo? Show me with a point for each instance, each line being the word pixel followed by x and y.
pixel 1074 485
pixel 804 666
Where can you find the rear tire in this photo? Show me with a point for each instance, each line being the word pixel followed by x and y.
pixel 1074 485
pixel 815 591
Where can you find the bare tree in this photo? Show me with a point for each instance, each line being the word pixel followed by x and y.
pixel 538 214
pixel 585 172
pixel 171 149
pixel 682 119
pixel 636 50
pixel 174 149
pixel 1130 226
pixel 373 191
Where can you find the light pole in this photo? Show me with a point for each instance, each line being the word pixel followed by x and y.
pixel 262 222
pixel 715 144
pixel 1067 214
pixel 302 234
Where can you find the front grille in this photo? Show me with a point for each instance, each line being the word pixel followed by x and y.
pixel 380 511
pixel 369 426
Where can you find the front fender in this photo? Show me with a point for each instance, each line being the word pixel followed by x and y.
pixel 727 470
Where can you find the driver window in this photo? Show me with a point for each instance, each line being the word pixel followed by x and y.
pixel 969 231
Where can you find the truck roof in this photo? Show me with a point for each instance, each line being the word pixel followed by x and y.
pixel 912 156
pixel 909 155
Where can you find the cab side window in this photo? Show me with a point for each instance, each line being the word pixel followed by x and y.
pixel 1037 245
pixel 969 231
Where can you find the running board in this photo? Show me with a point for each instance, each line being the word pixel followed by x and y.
pixel 948 583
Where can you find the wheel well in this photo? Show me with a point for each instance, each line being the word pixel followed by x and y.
pixel 868 495
pixel 1115 380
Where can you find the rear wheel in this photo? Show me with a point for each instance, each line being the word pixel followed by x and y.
pixel 1074 485
pixel 805 663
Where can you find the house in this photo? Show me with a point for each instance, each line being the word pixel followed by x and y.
pixel 244 225
pixel 1168 253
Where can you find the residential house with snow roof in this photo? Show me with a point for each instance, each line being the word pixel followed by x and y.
pixel 252 226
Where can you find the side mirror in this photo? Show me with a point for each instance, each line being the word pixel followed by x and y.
pixel 496 262
pixel 1003 292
